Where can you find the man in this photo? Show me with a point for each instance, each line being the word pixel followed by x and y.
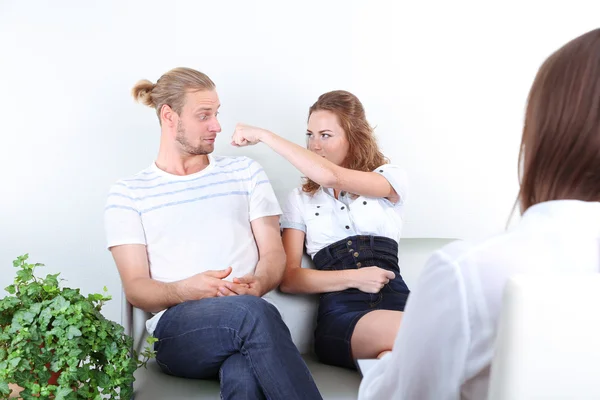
pixel 196 240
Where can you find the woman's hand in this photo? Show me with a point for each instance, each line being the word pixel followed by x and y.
pixel 371 279
pixel 247 135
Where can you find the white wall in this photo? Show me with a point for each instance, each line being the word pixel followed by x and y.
pixel 444 82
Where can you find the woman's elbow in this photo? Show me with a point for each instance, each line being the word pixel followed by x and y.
pixel 328 177
pixel 286 285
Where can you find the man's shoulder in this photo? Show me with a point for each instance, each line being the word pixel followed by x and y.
pixel 235 164
pixel 224 161
pixel 143 177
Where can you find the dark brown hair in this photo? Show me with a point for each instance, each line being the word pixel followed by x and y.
pixel 363 152
pixel 560 147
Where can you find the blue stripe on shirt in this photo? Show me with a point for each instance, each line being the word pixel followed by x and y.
pixel 175 203
pixel 209 196
pixel 189 188
pixel 121 183
pixel 121 208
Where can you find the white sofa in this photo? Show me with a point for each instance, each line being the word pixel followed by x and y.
pixel 299 313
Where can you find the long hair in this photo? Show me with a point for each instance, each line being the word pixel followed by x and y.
pixel 560 148
pixel 363 152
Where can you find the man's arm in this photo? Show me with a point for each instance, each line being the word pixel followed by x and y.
pixel 271 263
pixel 152 296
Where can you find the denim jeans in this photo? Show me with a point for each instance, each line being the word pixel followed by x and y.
pixel 241 340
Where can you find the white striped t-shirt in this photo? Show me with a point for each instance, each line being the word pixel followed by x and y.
pixel 192 223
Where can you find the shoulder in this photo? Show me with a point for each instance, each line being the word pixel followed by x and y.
pixel 392 170
pixel 144 177
pixel 296 198
pixel 388 167
pixel 232 162
pixel 300 196
pixel 479 267
pixel 484 250
pixel 239 165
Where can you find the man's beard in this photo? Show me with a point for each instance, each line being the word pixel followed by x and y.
pixel 187 146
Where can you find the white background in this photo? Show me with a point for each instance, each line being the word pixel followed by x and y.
pixel 445 84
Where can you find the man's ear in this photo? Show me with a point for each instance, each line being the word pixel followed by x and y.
pixel 168 116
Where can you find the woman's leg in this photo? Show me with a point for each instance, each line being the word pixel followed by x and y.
pixel 375 333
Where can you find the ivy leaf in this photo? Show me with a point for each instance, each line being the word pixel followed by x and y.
pixel 95 297
pixel 10 289
pixel 126 392
pixel 103 379
pixel 34 289
pixel 24 275
pixel 14 362
pixel 15 326
pixel 62 393
pixel 35 308
pixel 28 317
pixel 56 366
pixel 73 332
pixel 44 318
pixel 60 304
pixel 70 293
pixel 4 389
pixel 111 350
pixel 60 322
pixel 51 280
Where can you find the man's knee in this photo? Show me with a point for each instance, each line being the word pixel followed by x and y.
pixel 253 307
pixel 253 303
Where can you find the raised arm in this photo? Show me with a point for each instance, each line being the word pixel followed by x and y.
pixel 317 168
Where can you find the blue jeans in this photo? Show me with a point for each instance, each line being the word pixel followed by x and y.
pixel 241 340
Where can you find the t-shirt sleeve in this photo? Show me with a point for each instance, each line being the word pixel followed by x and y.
pixel 398 178
pixel 122 219
pixel 263 202
pixel 292 212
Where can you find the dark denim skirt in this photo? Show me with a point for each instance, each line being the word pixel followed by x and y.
pixel 340 311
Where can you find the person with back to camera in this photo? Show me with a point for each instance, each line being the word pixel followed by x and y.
pixel 446 345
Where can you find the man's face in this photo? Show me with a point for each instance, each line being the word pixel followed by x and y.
pixel 197 125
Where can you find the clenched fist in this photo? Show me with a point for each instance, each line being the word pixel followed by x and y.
pixel 247 135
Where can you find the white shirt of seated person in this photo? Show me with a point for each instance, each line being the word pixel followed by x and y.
pixel 326 220
pixel 445 346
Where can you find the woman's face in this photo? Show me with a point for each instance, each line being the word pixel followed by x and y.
pixel 326 137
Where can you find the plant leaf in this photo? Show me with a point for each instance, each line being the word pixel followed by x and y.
pixel 73 332
pixel 62 393
pixel 60 304
pixel 4 389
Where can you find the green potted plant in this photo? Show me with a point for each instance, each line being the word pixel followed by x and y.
pixel 55 343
